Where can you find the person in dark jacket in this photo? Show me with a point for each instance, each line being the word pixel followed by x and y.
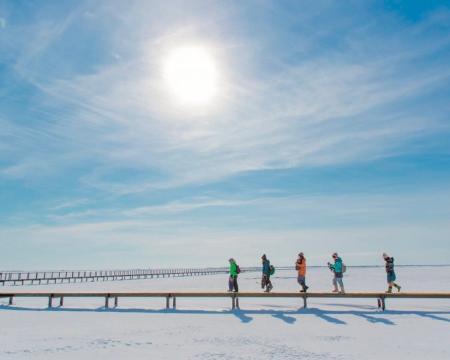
pixel 337 269
pixel 232 281
pixel 391 277
pixel 265 281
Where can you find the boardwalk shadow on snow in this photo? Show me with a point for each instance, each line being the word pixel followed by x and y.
pixel 288 316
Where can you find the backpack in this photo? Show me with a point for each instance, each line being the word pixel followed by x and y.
pixel 238 269
pixel 344 268
pixel 271 270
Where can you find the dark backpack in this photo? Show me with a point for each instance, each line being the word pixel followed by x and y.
pixel 271 270
pixel 238 269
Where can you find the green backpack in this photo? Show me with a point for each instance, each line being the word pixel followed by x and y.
pixel 271 270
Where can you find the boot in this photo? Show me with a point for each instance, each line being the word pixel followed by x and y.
pixel 389 290
pixel 398 287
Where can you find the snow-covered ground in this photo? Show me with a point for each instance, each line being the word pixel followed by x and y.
pixel 208 329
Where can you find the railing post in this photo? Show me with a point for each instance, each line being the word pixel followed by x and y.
pixel 50 301
pixel 116 301
pixel 107 301
pixel 381 303
pixel 237 302
pixel 61 301
pixel 174 302
pixel 305 303
pixel 167 302
pixel 233 302
pixel 10 302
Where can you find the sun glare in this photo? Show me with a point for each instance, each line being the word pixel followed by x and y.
pixel 191 75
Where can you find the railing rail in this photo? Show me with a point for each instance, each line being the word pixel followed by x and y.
pixel 69 276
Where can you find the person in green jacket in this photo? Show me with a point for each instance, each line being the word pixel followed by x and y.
pixel 337 269
pixel 232 281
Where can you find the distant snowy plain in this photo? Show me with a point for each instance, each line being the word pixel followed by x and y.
pixel 208 329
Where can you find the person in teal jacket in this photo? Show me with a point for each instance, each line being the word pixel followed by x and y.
pixel 232 281
pixel 337 269
pixel 391 277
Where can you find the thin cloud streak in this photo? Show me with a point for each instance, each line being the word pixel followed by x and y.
pixel 281 210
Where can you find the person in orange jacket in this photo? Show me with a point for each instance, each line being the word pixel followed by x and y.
pixel 300 266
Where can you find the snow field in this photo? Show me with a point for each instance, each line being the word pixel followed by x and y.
pixel 208 329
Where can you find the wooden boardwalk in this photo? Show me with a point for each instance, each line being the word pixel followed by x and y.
pixel 173 295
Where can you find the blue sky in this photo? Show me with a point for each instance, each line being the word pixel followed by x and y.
pixel 329 132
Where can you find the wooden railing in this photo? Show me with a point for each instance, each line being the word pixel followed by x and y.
pixel 72 276
pixel 381 297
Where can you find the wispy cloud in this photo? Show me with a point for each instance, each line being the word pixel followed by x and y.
pixel 268 211
pixel 317 111
pixel 69 204
pixel 180 207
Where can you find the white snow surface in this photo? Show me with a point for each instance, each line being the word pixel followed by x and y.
pixel 208 329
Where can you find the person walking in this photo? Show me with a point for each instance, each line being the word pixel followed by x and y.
pixel 300 266
pixel 391 277
pixel 266 272
pixel 338 269
pixel 232 281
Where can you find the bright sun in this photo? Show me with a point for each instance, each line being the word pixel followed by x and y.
pixel 191 75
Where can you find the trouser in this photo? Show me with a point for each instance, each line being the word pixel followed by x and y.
pixel 391 277
pixel 302 281
pixel 338 280
pixel 233 284
pixel 265 281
